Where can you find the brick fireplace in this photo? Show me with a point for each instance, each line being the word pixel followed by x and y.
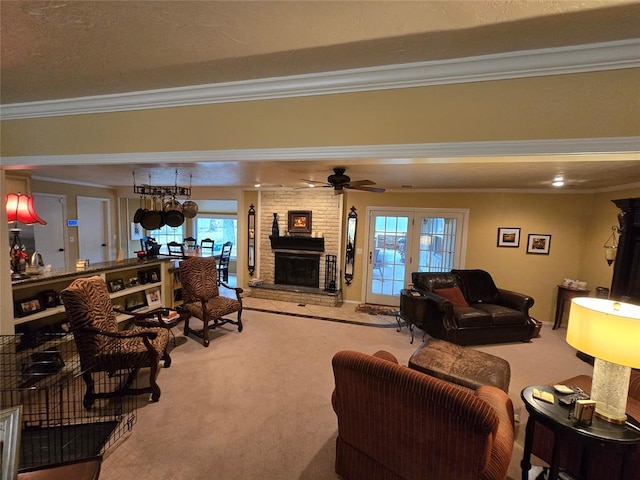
pixel 302 257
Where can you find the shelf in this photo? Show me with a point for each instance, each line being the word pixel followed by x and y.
pixel 132 290
pixel 61 278
pixel 36 316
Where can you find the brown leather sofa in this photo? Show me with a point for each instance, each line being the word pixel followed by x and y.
pixel 466 307
pixel 398 423
pixel 604 464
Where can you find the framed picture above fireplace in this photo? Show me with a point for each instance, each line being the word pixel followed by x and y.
pixel 300 222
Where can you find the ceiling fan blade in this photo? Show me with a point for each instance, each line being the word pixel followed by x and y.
pixel 366 189
pixel 324 184
pixel 358 183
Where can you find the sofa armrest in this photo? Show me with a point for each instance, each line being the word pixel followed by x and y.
pixel 502 448
pixel 515 300
pixel 439 310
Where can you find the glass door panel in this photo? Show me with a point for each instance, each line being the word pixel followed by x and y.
pixel 437 244
pixel 387 270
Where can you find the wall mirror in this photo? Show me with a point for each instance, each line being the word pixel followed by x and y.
pixel 349 264
pixel 251 240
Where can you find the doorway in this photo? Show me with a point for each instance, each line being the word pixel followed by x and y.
pixel 401 241
pixel 50 238
pixel 93 235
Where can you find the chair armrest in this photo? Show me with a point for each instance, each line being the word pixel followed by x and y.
pixel 517 301
pixel 145 335
pixel 384 355
pixel 138 316
pixel 238 290
pixel 502 448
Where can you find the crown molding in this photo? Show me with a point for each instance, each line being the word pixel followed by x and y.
pixel 431 152
pixel 529 63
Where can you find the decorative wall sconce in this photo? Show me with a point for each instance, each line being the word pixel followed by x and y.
pixel 20 208
pixel 349 264
pixel 611 246
pixel 251 241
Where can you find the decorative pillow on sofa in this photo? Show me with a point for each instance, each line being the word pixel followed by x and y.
pixel 454 295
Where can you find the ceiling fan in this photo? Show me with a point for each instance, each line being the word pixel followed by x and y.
pixel 339 181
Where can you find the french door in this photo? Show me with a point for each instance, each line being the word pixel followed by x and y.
pixel 402 241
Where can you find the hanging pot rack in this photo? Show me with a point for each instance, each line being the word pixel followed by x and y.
pixel 170 213
pixel 161 190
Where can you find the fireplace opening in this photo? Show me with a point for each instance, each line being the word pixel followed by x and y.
pixel 302 269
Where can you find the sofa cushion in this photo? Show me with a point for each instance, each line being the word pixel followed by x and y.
pixel 469 317
pixel 477 286
pixel 453 294
pixel 502 315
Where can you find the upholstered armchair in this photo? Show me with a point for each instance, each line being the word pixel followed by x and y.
pixel 202 299
pixel 466 307
pixel 398 423
pixel 103 348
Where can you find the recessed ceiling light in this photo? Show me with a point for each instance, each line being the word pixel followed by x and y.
pixel 257 185
pixel 311 184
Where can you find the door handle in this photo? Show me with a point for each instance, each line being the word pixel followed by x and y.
pixel 103 245
pixel 61 249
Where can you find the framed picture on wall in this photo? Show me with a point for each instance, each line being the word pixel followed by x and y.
pixel 508 237
pixel 299 221
pixel 538 244
pixel 136 231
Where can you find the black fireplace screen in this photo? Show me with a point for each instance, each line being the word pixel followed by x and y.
pixel 302 269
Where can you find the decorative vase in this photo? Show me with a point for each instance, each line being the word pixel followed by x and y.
pixel 275 231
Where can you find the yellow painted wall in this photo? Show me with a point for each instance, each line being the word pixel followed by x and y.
pixel 578 223
pixel 585 105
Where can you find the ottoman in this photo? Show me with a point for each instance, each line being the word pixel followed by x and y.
pixel 461 365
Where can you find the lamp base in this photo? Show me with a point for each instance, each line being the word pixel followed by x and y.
pixel 609 389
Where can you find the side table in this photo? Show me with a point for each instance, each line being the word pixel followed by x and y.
pixel 413 310
pixel 566 431
pixel 565 294
pixel 161 322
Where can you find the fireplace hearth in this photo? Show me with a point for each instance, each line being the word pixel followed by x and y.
pixel 301 269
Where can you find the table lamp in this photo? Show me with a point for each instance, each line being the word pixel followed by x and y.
pixel 610 332
pixel 19 208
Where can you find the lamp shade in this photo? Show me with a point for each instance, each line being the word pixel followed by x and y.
pixel 605 329
pixel 20 209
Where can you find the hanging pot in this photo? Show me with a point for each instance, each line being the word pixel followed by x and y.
pixel 152 219
pixel 173 215
pixel 173 218
pixel 139 212
pixel 172 204
pixel 190 209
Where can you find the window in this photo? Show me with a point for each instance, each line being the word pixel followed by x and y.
pixel 167 234
pixel 220 229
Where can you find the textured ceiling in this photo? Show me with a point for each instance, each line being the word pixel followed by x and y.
pixel 65 49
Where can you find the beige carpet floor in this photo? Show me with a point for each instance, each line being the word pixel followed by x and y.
pixel 256 404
